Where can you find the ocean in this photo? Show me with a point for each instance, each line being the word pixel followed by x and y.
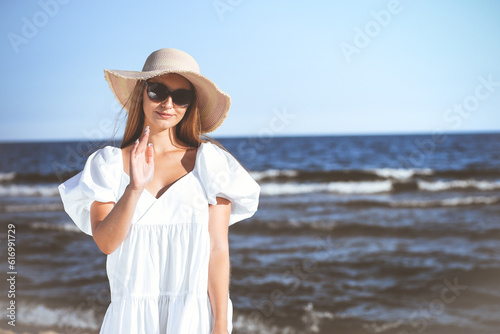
pixel 354 234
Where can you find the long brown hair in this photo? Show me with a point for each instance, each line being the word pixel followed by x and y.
pixel 188 130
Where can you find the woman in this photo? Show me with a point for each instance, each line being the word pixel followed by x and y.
pixel 160 205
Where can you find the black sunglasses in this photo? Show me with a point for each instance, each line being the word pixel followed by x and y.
pixel 158 92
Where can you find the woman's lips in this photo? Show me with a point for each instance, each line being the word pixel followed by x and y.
pixel 164 115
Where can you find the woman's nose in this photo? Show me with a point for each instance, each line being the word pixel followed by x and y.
pixel 167 102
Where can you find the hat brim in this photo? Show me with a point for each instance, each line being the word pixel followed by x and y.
pixel 213 103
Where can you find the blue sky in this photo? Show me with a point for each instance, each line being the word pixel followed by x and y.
pixel 291 67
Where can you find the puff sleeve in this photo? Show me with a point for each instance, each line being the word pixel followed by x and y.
pixel 223 176
pixel 98 181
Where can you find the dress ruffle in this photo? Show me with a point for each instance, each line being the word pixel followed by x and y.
pixel 223 176
pixel 98 181
pixel 180 314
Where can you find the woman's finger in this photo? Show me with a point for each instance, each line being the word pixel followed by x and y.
pixel 134 148
pixel 150 154
pixel 144 140
pixel 140 143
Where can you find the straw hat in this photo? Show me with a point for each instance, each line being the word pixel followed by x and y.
pixel 213 103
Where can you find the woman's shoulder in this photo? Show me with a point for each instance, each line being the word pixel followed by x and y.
pixel 209 154
pixel 214 159
pixel 211 149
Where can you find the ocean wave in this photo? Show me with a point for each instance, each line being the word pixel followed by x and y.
pixel 446 202
pixel 310 321
pixel 26 190
pixel 7 176
pixel 402 173
pixel 367 187
pixel 69 227
pixel 371 174
pixel 459 184
pixel 322 227
pixel 273 173
pixel 31 207
pixel 373 187
pixel 67 317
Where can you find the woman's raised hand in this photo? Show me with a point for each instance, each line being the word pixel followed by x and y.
pixel 141 162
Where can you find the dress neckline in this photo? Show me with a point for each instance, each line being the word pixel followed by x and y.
pixel 172 185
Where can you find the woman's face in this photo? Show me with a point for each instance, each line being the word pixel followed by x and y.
pixel 157 113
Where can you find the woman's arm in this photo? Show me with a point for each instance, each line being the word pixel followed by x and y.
pixel 111 222
pixel 218 272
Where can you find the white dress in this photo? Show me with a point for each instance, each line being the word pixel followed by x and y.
pixel 158 276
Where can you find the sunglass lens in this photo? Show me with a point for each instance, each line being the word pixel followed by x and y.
pixel 182 97
pixel 156 91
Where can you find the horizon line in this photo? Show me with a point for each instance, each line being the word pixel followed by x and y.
pixel 17 141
